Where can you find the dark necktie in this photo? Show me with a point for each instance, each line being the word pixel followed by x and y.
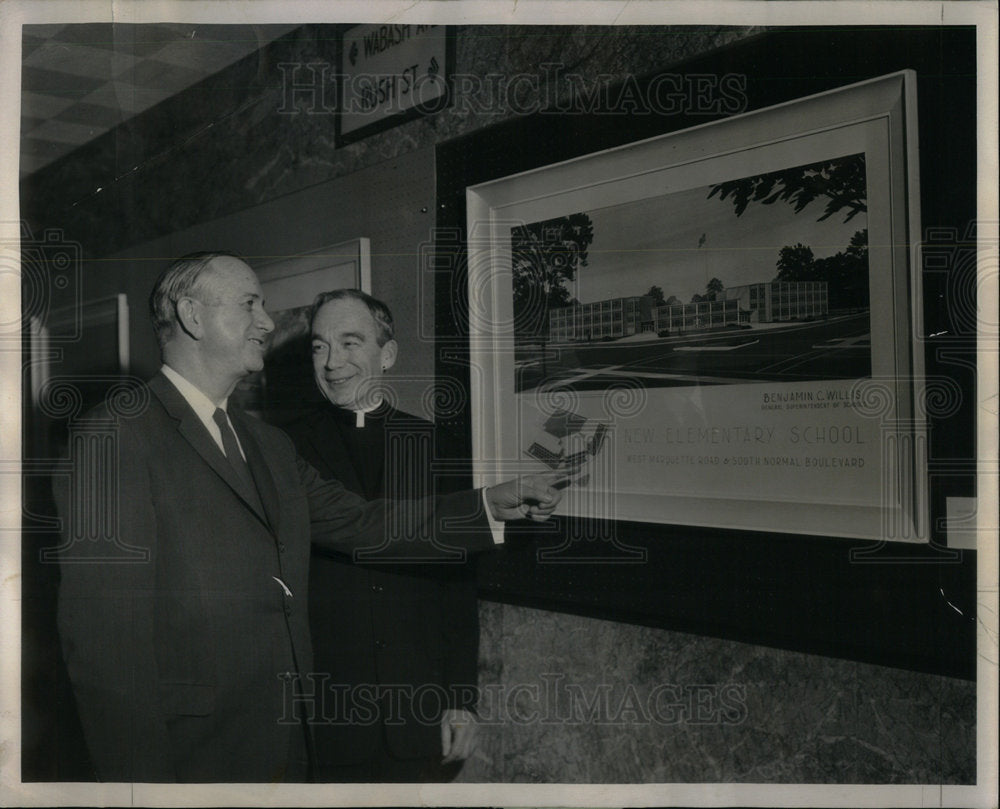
pixel 235 457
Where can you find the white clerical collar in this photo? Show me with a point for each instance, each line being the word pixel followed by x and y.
pixel 359 415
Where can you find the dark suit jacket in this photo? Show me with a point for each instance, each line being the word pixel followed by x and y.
pixel 407 630
pixel 184 665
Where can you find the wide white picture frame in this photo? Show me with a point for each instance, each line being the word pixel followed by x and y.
pixel 807 455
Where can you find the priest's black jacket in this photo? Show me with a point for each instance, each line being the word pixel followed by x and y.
pixel 395 643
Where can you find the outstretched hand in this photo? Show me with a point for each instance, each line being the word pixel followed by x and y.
pixel 532 497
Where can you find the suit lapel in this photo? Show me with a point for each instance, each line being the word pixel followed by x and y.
pixel 258 468
pixel 195 433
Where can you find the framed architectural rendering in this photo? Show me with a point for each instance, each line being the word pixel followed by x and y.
pixel 714 327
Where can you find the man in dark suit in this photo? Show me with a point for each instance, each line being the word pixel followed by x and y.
pixel 184 624
pixel 398 632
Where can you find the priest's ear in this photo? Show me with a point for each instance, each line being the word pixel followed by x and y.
pixel 389 351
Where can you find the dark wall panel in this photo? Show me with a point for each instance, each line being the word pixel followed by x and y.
pixel 900 605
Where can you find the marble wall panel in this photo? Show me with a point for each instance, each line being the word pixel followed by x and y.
pixel 568 699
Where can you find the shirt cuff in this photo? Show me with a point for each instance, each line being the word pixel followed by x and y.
pixel 496 526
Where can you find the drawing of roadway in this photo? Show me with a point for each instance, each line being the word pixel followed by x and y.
pixel 837 348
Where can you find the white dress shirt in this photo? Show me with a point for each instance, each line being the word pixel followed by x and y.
pixel 203 408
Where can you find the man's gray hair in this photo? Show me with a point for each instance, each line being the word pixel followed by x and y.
pixel 182 279
pixel 385 328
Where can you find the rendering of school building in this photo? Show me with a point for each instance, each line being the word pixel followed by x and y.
pixel 779 301
pixel 615 317
pixel 769 302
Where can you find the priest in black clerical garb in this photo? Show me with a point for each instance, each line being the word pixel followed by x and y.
pixel 396 645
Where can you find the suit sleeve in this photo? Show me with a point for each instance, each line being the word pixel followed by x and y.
pixel 105 614
pixel 446 527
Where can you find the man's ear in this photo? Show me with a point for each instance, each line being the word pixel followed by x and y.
pixel 189 317
pixel 389 354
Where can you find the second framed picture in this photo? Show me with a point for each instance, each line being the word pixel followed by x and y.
pixel 290 285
